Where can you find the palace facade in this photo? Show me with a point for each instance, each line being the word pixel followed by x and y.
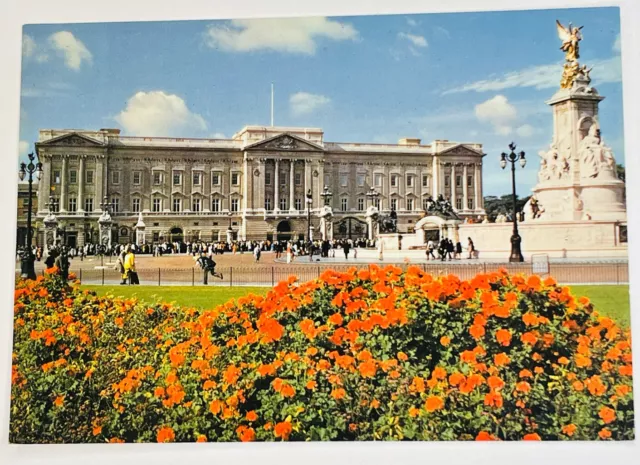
pixel 256 183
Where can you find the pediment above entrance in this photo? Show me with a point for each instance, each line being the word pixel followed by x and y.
pixel 285 142
pixel 462 149
pixel 71 140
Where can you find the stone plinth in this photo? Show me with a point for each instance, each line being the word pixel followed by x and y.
pixel 391 241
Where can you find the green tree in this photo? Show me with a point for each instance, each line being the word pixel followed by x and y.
pixel 621 172
pixel 495 206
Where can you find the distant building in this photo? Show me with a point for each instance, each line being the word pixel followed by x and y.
pixel 193 189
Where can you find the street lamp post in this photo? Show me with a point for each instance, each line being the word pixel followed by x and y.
pixel 516 240
pixel 326 195
pixel 27 260
pixel 309 202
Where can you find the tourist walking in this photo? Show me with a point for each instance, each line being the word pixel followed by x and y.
pixel 380 249
pixel 130 266
pixel 257 252
pixel 120 267
pixel 430 248
pixel 471 249
pixel 346 247
pixel 458 252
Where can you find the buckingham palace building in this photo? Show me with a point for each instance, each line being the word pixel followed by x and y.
pixel 255 184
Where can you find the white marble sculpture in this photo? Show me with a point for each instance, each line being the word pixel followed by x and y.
pixel 596 159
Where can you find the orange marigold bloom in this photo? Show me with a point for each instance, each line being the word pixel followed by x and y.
pixel 538 370
pixel 338 393
pixel 569 429
pixel 607 414
pixel 116 441
pixel 434 403
pixel 468 356
pixel 311 385
pixel 402 356
pixel 59 401
pixel 413 412
pixel 166 434
pixel 531 437
pixel 476 331
pixel 625 370
pixel 201 438
pixel 282 430
pixel 456 378
pixel 216 406
pixel 495 383
pixel 245 434
pixel 417 385
pixel 529 338
pixel 252 415
pixel 493 399
pixel 595 386
pixel 485 436
pixel 336 319
pixel 563 361
pixel 523 386
pixel 445 340
pixel 375 403
pixel 501 359
pixel 97 430
pixel 367 369
pixel 525 374
pixel 622 390
pixel 503 336
pixel 439 373
pixel 530 319
pixel 578 385
pixel 604 433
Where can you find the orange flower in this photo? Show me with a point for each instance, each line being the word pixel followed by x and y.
pixel 529 338
pixel 97 430
pixel 456 378
pixel 578 385
pixel 439 373
pixel 201 438
pixel 338 393
pixel 476 331
pixel 501 359
pixel 523 386
pixel 402 356
pixel 417 385
pixel 569 429
pixel 311 385
pixel 245 434
pixel 484 436
pixel 59 401
pixel 503 336
pixel 493 399
pixel 336 319
pixel 444 340
pixel 166 434
pixel 563 361
pixel 414 412
pixel 252 415
pixel 495 383
pixel 375 403
pixel 595 386
pixel 622 390
pixel 530 319
pixel 531 437
pixel 604 433
pixel 434 403
pixel 282 430
pixel 525 374
pixel 367 369
pixel 607 414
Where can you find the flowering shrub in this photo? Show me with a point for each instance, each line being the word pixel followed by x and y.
pixel 374 354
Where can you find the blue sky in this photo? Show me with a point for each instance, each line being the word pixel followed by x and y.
pixel 468 77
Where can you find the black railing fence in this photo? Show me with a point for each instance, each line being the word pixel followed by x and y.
pixel 564 273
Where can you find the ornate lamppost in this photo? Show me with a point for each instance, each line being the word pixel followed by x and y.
pixel 326 195
pixel 309 200
pixel 27 260
pixel 513 157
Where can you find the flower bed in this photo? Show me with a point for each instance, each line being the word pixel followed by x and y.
pixel 374 354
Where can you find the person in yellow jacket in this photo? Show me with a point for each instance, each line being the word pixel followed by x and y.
pixel 130 266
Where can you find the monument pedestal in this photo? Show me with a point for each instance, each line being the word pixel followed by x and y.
pixel 390 241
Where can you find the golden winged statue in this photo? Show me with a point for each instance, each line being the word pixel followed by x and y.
pixel 570 38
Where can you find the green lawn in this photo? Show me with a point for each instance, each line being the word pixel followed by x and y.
pixel 612 301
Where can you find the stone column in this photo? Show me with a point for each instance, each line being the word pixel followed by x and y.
pixel 477 195
pixel 44 189
pixel 435 177
pixel 307 177
pixel 246 176
pixel 63 185
pixel 319 201
pixel 292 185
pixel 465 187
pixel 81 185
pixel 276 187
pixel 100 193
pixel 452 180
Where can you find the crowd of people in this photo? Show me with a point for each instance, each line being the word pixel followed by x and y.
pixel 447 250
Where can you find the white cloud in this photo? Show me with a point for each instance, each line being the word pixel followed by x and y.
pixel 617 45
pixel 412 22
pixel 542 77
pixel 157 113
pixel 28 46
pixel 292 35
pixel 303 103
pixel 416 40
pixel 442 31
pixel 526 130
pixel 218 135
pixel 23 148
pixel 72 49
pixel 498 112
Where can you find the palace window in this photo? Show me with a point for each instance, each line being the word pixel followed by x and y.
pixel 469 181
pixel 115 177
pixel 458 181
pixel 360 204
pixel 394 204
pixel 394 180
pixel 88 204
pixel 137 177
pixel 298 204
pixel 157 205
pixel 235 179
pixel 447 181
pixel 73 176
pixel 157 178
pixel 197 179
pixel 378 179
pixel 89 177
pixel 176 204
pixel 425 203
pixel 409 204
pixel 410 181
pixel 73 204
pixel 267 178
pixel 283 204
pixel 283 178
pixel 470 203
pixel 458 204
pixel 298 177
pixel 344 179
pixel 376 203
pixel 425 180
pixel 56 176
pixel 115 205
pixel 361 179
pixel 234 205
pixel 177 178
pixel 195 205
pixel 327 179
pixel 343 204
pixel 267 204
pixel 215 179
pixel 135 205
pixel 215 205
